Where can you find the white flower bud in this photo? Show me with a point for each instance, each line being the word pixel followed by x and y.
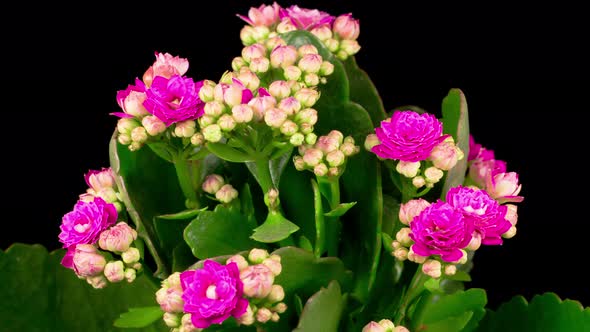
pixel 283 56
pixel 349 46
pixel 310 63
pixel 303 50
pixel 139 135
pixel 257 256
pixel 212 133
pixel 239 260
pixel 197 139
pixel 236 64
pixel 332 44
pixel 226 122
pixel 412 256
pixel 97 282
pixel 263 315
pixel 450 270
pixel 247 318
pixel 206 93
pixel 253 51
pixel 277 294
pixel 403 237
pixel 274 264
pixel 249 79
pixel 286 26
pixel 401 254
pixel 327 68
pixel 510 233
pixel 259 65
pixel 308 115
pixel 411 209
pixel 311 138
pixel 313 156
pixel 273 42
pixel 307 96
pixel 171 319
pixel 289 128
pixel 214 109
pixel 418 181
pixel 433 174
pixel 511 214
pixel 126 125
pixel 387 324
pixel 475 242
pixel 247 35
pixel 371 141
pixel 280 307
pixel 114 271
pixel 292 73
pixel 408 169
pixel 311 79
pixel 242 113
pixel 153 125
pixel 130 275
pixel 335 158
pixel 226 193
pixel 185 128
pixel 279 89
pixel 296 139
pixel 275 117
pixel 432 268
pixel 290 105
pixel 323 32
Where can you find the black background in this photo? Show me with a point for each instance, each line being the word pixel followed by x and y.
pixel 523 71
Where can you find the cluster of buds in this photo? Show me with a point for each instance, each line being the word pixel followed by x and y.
pixel 257 273
pixel 384 325
pixel 136 132
pixel 214 184
pixel 102 184
pixel 443 157
pixel 118 240
pixel 341 39
pixel 327 155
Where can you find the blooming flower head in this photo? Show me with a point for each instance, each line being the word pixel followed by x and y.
pixel 504 187
pixel 175 99
pixel 440 230
pixel 265 15
pixel 481 170
pixel 165 66
pixel 99 180
pixel 482 211
pixel 306 19
pixel 213 293
pixel 408 136
pixel 131 101
pixel 84 224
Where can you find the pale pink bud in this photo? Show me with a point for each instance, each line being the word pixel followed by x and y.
pixel 371 141
pixel 130 275
pixel 242 113
pixel 299 163
pixel 412 256
pixel 139 135
pixel 280 307
pixel 374 327
pixel 504 187
pixel 259 65
pixel 327 68
pixel 170 299
pixel 197 139
pixel 226 122
pixel 305 128
pixel 283 56
pixel 275 317
pixel 206 120
pixel 212 183
pixel 135 146
pixel 307 96
pixel 401 254
pixel 511 214
pixel 403 237
pixel 277 294
pixel 185 128
pixel 274 42
pixel 153 125
pixel 387 324
pixel 475 242
pixel 130 255
pixel 289 128
pixel 335 158
pixel 171 319
pixel 346 27
pixel 349 149
pixel 311 138
pixel 263 315
pixel 261 104
pixel 327 143
pixel 236 93
pixel 236 64
pixel 279 89
pixel 408 169
pixel 257 256
pixel 463 258
pixel 226 79
pixel 418 181
pixel 247 318
pixel 342 55
pixel 98 281
pixel 133 104
pixel 253 51
pixel 114 271
pixel 249 79
pixel 124 139
pixel 212 133
pixel 411 209
pixel 310 63
pixel 333 171
pixel 450 270
pixel 173 281
pixel 295 86
pixel 258 280
pixel 247 35
pixel 349 46
pixel 285 26
pixel 311 79
pixel 292 73
pixel 187 324
pixel 226 193
pixel 290 105
pixel 313 156
pixel 332 44
pixel 275 117
pixel 274 264
pixel 87 261
pixel 239 260
pixel 214 108
pixel 126 125
pixel 303 50
pixel 432 268
pixel 400 329
pixel 445 155
pixel 323 32
pixel 261 33
pixel 308 115
pixel 510 233
pixel 395 244
pixel 320 169
pixel 433 174
pixel 118 238
pixel 100 180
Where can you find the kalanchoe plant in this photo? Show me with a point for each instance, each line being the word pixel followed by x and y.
pixel 282 196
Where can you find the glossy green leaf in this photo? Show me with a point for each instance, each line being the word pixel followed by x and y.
pixel 456 123
pixel 452 324
pixel 246 201
pixel 364 92
pixel 391 224
pixel 135 172
pixel 297 200
pixel 41 295
pixel 544 313
pixel 228 153
pixel 170 234
pixel 340 210
pixel 163 150
pixel 139 317
pixel 274 229
pixel 207 235
pixel 305 244
pixel 433 285
pixel 182 215
pixel 323 310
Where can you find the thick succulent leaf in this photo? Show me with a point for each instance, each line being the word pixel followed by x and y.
pixel 139 317
pixel 364 92
pixel 274 229
pixel 41 295
pixel 456 124
pixel 323 310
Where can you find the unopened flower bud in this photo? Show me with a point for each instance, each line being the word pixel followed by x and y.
pixel 303 50
pixel 131 255
pixel 97 282
pixel 313 156
pixel 346 27
pixel 335 158
pixel 108 194
pixel 432 268
pixel 275 317
pixel 226 193
pixel 249 79
pixel 257 256
pixel 214 109
pixel 433 174
pixel 403 236
pixel 444 155
pixel 130 275
pixel 185 128
pixel 311 79
pixel 206 93
pixel 463 258
pixel 332 44
pixel 334 171
pixel 114 271
pixel 290 105
pixel 170 299
pixel 153 125
pixel 139 134
pixel 261 32
pixel 275 117
pixel 212 133
pixel 277 294
pixel 395 244
pixel 305 128
pixel 349 149
pixel 236 64
pixel 247 35
pixel 279 89
pixel 242 113
pixel 351 47
pixel 135 146
pixel 280 307
pixel 511 214
pixel 408 169
pixel 259 65
pixel 418 181
pixel 374 327
pixel 171 319
pixel 342 55
pixel 292 73
pixel 274 264
pixel 187 324
pixel 297 139
pixel 475 242
pixel 311 138
pixel 226 122
pixel 273 42
pixel 310 63
pixel 87 261
pixel 197 139
pixel 289 128
pixel 126 125
pixel 253 51
pixel 258 280
pixel 308 115
pixel 285 26
pixel 299 163
pixel 450 270
pixel 320 169
pixel 212 183
pixel 371 141
pixel 227 79
pixel 387 324
pixel 510 233
pixel 307 96
pixel 118 238
pixel 327 68
pixel 247 318
pixel 323 32
pixel 239 260
pixel 412 256
pixel 283 56
pixel 260 105
pixel 400 329
pixel 263 315
pixel 401 254
pixel 411 209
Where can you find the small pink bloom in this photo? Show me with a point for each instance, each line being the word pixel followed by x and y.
pixel 408 136
pixel 445 155
pixel 504 187
pixel 306 19
pixel 117 238
pixel 283 56
pixel 262 103
pixel 84 224
pixel 411 209
pixel 99 180
pixel 346 27
pixel 131 100
pixel 114 271
pixel 165 66
pixel 258 280
pixel 440 230
pixel 87 261
pixel 232 94
pixel 265 15
pixel 175 99
pixel 213 293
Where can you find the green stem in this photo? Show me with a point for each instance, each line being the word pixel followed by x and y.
pixel 183 173
pixel 415 288
pixel 333 224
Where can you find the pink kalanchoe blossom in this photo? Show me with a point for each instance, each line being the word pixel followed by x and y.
pixel 87 261
pixel 175 99
pixel 84 224
pixel 117 238
pixel 346 27
pixel 166 65
pixel 482 211
pixel 99 180
pixel 408 136
pixel 440 230
pixel 504 187
pixel 306 19
pixel 232 94
pixel 265 15
pixel 213 293
pixel 131 101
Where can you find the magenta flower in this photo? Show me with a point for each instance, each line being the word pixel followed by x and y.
pixel 306 19
pixel 474 149
pixel 482 211
pixel 408 136
pixel 213 293
pixel 440 230
pixel 131 101
pixel 84 224
pixel 175 99
pixel 265 15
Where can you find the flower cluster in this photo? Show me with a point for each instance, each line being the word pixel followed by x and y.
pixel 327 155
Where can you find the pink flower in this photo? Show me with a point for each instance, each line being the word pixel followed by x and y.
pixel 117 238
pixel 408 136
pixel 265 15
pixel 440 230
pixel 86 261
pixel 474 149
pixel 306 19
pixel 504 187
pixel 213 293
pixel 84 224
pixel 175 99
pixel 166 66
pixel 482 211
pixel 346 27
pixel 258 280
pixel 131 100
pixel 99 180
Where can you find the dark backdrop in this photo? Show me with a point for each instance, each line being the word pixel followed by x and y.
pixel 523 71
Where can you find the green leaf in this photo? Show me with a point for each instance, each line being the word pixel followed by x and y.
pixel 274 229
pixel 340 210
pixel 433 285
pixel 135 172
pixel 208 234
pixel 459 276
pixel 391 224
pixel 228 153
pixel 163 150
pixel 452 324
pixel 304 243
pixel 387 242
pixel 182 215
pixel 41 295
pixel 302 271
pixel 323 310
pixel 297 200
pixel 139 317
pixel 456 123
pixel 364 92
pixel 544 313
pixel 246 201
pixel 298 304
